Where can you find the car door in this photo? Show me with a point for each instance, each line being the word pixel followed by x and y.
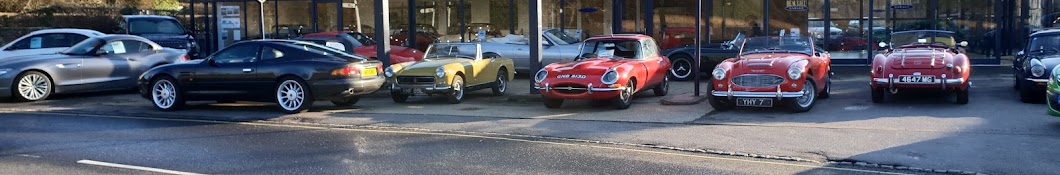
pixel 224 74
pixel 110 68
pixel 272 63
pixel 656 67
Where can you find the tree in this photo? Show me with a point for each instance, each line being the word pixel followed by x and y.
pixel 166 5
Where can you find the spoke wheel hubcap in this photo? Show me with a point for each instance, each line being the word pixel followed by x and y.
pixel 458 89
pixel 807 96
pixel 681 68
pixel 164 94
pixel 290 95
pixel 33 87
pixel 501 84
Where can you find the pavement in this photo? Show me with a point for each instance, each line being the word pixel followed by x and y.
pixel 994 134
pixel 64 144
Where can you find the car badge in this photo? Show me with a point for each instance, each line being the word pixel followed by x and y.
pixel 758 71
pixel 918 62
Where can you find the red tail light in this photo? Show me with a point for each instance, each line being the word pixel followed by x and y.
pixel 185 58
pixel 347 72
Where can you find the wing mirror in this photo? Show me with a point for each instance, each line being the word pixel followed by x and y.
pixel 963 44
pixel 101 52
pixel 587 56
pixel 883 44
pixel 1019 53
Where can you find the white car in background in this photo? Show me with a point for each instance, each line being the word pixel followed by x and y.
pixel 47 41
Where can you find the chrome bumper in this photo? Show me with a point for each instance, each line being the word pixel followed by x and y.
pixel 943 83
pixel 778 94
pixel 1038 80
pixel 589 88
pixel 395 86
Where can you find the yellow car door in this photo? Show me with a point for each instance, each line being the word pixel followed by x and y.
pixel 481 71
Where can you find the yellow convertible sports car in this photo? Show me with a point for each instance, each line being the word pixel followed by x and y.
pixel 450 69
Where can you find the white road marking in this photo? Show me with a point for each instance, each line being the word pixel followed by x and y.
pixel 114 165
pixel 27 155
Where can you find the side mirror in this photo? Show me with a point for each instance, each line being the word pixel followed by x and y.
pixel 211 62
pixel 1019 53
pixel 101 52
pixel 883 44
pixel 963 44
pixel 587 55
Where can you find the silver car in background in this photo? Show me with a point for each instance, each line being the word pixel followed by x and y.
pixel 109 62
pixel 558 47
pixel 47 41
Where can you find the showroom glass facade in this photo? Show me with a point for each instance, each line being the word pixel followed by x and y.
pixel 994 28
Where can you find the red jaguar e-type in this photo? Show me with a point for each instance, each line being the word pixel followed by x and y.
pixel 772 70
pixel 611 68
pixel 923 60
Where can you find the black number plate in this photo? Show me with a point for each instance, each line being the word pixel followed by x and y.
pixel 754 102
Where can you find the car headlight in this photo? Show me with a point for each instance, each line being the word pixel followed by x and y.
pixel 795 73
pixel 389 72
pixel 4 71
pixel 719 74
pixel 1055 74
pixel 1037 68
pixel 610 77
pixel 439 72
pixel 540 76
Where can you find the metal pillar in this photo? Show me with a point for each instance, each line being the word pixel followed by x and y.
pixel 827 23
pixel 616 16
pixel 463 21
pixel 535 39
pixel 998 9
pixel 261 7
pixel 215 20
pixel 339 14
pixel 934 7
pixel 871 29
pixel 313 11
pixel 244 14
pixel 765 17
pixel 411 40
pixel 649 17
pixel 382 26
pixel 699 47
pixel 511 17
pixel 562 17
pixel 191 16
pixel 276 18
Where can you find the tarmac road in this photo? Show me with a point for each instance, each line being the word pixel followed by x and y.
pixel 35 143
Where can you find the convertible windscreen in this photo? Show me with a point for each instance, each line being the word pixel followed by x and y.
pixel 626 49
pixel 923 38
pixel 451 50
pixel 1044 44
pixel 777 45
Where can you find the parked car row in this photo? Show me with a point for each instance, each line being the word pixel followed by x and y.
pixel 766 71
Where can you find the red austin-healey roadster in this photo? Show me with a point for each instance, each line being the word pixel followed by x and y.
pixel 923 60
pixel 770 71
pixel 610 68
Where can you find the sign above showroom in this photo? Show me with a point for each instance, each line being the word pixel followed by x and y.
pixel 796 5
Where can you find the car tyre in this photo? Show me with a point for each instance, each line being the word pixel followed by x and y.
pixel 293 95
pixel 456 96
pixel 346 102
pixel 716 102
pixel 681 67
pixel 962 96
pixel 501 85
pixel 662 88
pixel 878 95
pixel 827 88
pixel 399 97
pixel 625 97
pixel 166 95
pixel 553 103
pixel 808 98
pixel 1026 95
pixel 32 86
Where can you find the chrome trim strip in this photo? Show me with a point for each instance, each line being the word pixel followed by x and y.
pixel 888 81
pixel 1038 80
pixel 756 94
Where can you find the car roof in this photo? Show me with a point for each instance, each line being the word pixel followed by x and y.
pixel 621 36
pixel 119 36
pixel 147 16
pixel 85 32
pixel 1052 31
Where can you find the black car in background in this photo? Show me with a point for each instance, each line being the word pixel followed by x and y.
pixel 164 30
pixel 1034 64
pixel 293 74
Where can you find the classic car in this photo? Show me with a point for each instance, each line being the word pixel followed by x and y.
pixel 99 63
pixel 164 30
pixel 786 70
pixel 1052 91
pixel 611 68
pixel 293 74
pixel 558 46
pixel 357 43
pixel 450 69
pixel 44 42
pixel 425 35
pixel 710 55
pixel 921 60
pixel 1039 56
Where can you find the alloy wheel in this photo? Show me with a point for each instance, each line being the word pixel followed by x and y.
pixel 164 94
pixel 34 87
pixel 290 95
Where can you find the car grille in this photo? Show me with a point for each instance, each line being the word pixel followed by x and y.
pixel 757 81
pixel 415 80
pixel 173 44
pixel 570 89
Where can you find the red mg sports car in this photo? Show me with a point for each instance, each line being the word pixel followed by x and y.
pixel 609 68
pixel 772 70
pixel 923 60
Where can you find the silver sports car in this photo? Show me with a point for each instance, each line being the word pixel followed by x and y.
pixel 99 63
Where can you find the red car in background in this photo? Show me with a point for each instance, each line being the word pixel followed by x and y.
pixel 923 60
pixel 610 68
pixel 425 35
pixel 677 36
pixel 360 44
pixel 770 71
